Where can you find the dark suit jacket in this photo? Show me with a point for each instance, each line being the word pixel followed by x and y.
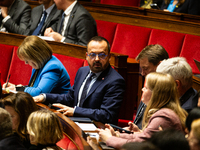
pixel 139 115
pixel 20 13
pixel 189 100
pixel 11 143
pixel 188 7
pixel 103 100
pixel 36 15
pixel 81 26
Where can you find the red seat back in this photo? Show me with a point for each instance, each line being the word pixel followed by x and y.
pixel 20 73
pixel 106 29
pixel 130 40
pixel 191 50
pixel 171 41
pixel 121 2
pixel 71 64
pixel 6 52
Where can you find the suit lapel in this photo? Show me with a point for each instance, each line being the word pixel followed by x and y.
pixel 99 81
pixel 36 19
pixel 52 13
pixel 71 17
pixel 13 8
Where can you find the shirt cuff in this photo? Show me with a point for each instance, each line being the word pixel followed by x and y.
pixel 5 19
pixel 44 97
pixel 63 39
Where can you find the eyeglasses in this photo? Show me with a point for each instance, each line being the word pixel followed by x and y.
pixel 100 55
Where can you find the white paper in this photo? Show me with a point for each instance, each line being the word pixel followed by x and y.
pixel 86 126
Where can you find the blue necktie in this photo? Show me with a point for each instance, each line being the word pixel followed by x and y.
pixel 61 24
pixel 37 30
pixel 87 84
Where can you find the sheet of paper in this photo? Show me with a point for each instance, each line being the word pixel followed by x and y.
pixel 46 38
pixel 9 91
pixel 86 126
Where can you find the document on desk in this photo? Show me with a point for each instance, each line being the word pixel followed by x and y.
pixel 86 126
pixel 8 90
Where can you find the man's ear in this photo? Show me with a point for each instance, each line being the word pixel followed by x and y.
pixel 86 56
pixel 178 83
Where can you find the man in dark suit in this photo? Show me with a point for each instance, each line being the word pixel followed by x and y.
pixel 181 71
pixel 102 99
pixel 8 140
pixel 149 58
pixel 76 25
pixel 38 14
pixel 15 17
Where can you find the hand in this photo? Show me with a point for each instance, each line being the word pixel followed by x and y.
pixel 113 132
pixel 104 134
pixel 4 11
pixel 92 143
pixel 48 31
pixel 10 86
pixel 166 10
pixel 69 111
pixel 132 127
pixel 39 98
pixel 56 36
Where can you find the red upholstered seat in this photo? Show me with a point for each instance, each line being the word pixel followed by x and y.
pixel 106 29
pixel 6 52
pixel 171 41
pixel 20 73
pixel 130 40
pixel 191 50
pixel 71 64
pixel 67 144
pixel 121 2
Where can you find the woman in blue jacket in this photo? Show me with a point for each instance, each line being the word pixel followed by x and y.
pixel 48 73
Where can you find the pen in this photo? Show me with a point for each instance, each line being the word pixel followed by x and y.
pixel 7 80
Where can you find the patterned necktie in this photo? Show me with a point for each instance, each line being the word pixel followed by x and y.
pixel 87 84
pixel 61 24
pixel 38 29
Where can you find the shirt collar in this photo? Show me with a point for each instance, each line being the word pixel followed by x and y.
pixel 69 9
pixel 48 10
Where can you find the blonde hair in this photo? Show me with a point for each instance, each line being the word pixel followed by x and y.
pixel 45 127
pixel 164 95
pixel 195 127
pixel 35 49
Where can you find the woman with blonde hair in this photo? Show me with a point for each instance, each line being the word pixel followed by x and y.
pixel 20 105
pixel 45 130
pixel 194 135
pixel 48 73
pixel 163 109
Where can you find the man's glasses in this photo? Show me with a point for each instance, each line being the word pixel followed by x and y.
pixel 100 55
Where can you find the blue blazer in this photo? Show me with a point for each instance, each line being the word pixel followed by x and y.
pixel 103 100
pixel 51 78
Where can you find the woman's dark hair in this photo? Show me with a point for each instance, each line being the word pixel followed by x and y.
pixel 193 115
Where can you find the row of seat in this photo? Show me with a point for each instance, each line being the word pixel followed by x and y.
pixel 130 40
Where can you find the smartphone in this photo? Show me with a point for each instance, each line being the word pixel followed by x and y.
pixel 120 129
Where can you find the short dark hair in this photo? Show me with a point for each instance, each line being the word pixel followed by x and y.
pixel 139 146
pixel 170 139
pixel 154 53
pixel 99 39
pixel 193 115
